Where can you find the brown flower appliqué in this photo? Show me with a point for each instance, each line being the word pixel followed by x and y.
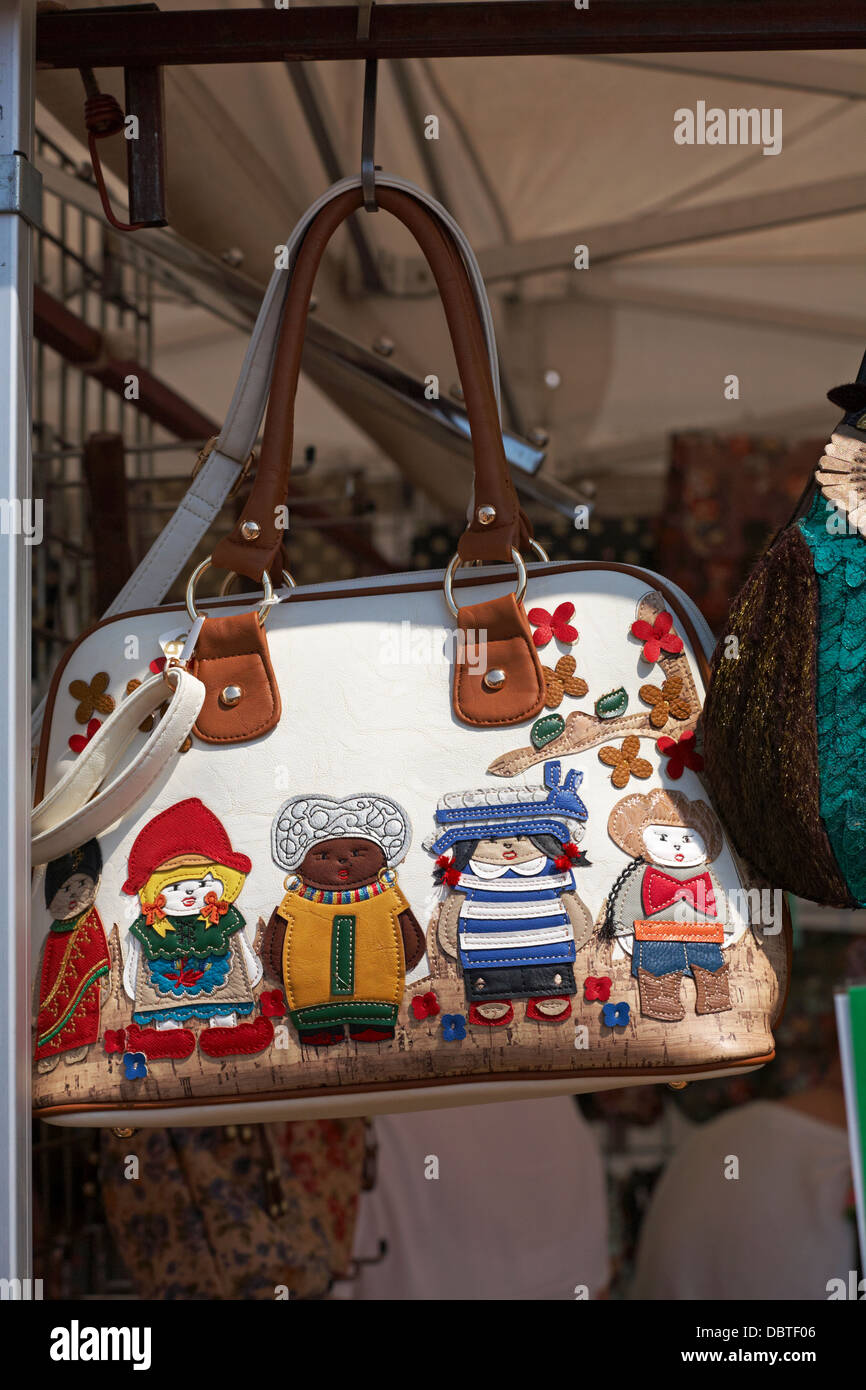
pixel 91 697
pixel 151 719
pixel 562 681
pixel 625 761
pixel 667 702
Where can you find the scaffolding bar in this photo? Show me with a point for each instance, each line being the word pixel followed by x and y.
pixel 112 39
pixel 16 275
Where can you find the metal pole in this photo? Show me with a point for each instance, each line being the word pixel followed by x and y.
pixel 19 208
pixel 102 38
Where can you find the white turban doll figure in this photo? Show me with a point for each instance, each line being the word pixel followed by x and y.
pixel 344 936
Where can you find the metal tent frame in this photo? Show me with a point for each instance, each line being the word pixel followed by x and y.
pixel 139 37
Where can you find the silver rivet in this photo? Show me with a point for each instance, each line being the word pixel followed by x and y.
pixel 494 680
pixel 557 979
pixel 251 530
pixel 230 696
pixel 479 984
pixel 486 515
pixel 384 346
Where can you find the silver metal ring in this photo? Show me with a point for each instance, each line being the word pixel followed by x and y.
pixel 264 607
pixel 288 579
pixel 454 565
pixel 539 550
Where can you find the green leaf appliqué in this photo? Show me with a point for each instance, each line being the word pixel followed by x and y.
pixel 546 729
pixel 613 703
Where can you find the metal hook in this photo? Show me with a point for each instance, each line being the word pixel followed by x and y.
pixel 368 137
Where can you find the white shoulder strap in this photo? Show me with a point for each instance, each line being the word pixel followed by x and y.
pixel 80 807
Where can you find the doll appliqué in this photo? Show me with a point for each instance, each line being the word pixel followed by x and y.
pixel 188 956
pixel 512 916
pixel 668 904
pixel 74 960
pixel 344 936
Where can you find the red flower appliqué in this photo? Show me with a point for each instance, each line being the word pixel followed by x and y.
pixel 658 637
pixel 570 855
pixel 78 742
pixel 115 1039
pixel 272 1003
pixel 597 987
pixel 185 974
pixel 157 666
pixel 555 624
pixel 680 753
pixel 450 875
pixel 425 1005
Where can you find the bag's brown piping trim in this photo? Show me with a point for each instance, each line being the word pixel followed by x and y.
pixel 463 1080
pixel 573 567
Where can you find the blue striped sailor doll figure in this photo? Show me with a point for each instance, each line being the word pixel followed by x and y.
pixel 512 916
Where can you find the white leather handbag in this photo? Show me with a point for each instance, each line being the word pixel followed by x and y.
pixel 389 843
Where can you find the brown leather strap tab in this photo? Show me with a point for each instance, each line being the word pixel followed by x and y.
pixel 490 543
pixel 233 652
pixel 496 641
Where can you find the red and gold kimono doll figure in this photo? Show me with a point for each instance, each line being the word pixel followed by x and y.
pixel 188 956
pixel 74 960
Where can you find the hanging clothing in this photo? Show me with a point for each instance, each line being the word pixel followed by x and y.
pixel 478 1227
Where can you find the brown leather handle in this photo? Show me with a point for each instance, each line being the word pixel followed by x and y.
pixel 491 543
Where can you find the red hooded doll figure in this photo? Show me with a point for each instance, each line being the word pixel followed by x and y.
pixel 188 955
pixel 74 960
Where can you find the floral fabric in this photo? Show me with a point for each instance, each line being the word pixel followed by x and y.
pixel 235 1212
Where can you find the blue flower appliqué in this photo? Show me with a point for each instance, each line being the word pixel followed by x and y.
pixel 135 1065
pixel 453 1027
pixel 615 1015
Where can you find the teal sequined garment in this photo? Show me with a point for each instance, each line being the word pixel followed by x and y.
pixel 840 565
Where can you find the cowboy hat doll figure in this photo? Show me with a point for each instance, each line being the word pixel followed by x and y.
pixel 188 954
pixel 344 936
pixel 74 960
pixel 667 905
pixel 513 918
